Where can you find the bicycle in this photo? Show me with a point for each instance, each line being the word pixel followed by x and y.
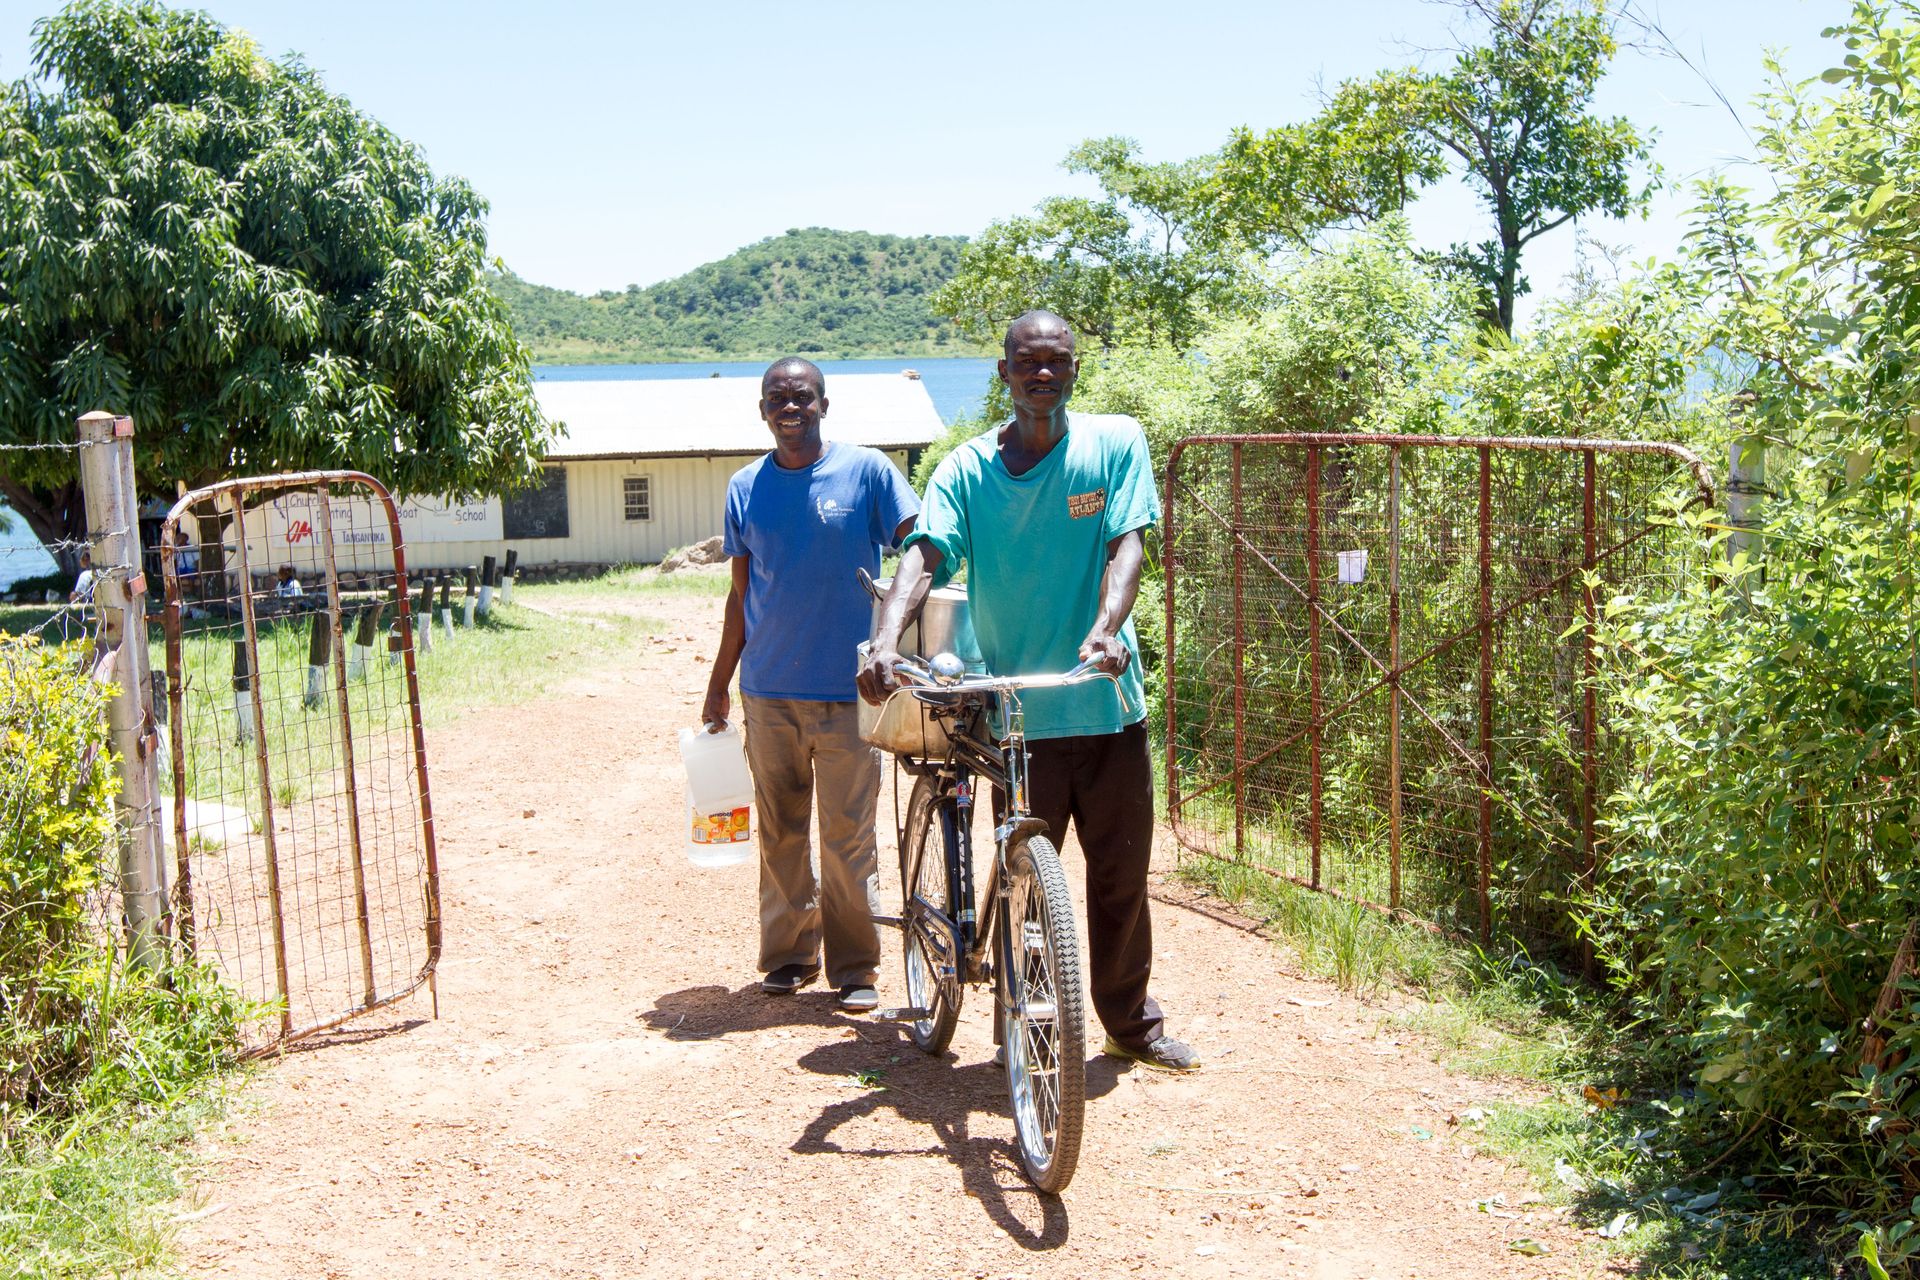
pixel 1027 947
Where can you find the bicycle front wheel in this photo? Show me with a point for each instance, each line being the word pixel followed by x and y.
pixel 1042 1012
pixel 926 919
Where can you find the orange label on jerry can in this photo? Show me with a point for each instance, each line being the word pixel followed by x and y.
pixel 726 827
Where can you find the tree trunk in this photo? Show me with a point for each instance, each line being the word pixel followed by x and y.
pixel 1509 276
pixel 58 518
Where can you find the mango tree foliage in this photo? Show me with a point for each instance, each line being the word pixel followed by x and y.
pixel 263 277
pixel 1764 884
pixel 1134 265
pixel 1512 117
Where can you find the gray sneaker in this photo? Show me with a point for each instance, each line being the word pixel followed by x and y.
pixel 1164 1054
pixel 857 998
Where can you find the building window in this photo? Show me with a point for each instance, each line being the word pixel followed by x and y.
pixel 639 494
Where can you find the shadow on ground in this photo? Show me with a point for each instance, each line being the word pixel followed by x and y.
pixel 358 1033
pixel 942 1097
pixel 709 1012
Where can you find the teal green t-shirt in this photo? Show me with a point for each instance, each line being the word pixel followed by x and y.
pixel 1035 547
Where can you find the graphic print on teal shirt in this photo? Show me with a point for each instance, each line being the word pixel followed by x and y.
pixel 805 532
pixel 1035 547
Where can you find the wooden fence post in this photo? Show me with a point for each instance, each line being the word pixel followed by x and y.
pixel 113 524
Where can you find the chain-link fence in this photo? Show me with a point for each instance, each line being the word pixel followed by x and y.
pixel 1379 682
pixel 305 866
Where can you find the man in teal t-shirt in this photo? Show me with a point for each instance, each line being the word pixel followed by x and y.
pixel 1048 513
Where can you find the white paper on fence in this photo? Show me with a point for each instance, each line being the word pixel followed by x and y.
pixel 1353 565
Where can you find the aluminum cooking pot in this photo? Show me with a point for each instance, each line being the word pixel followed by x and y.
pixel 945 624
pixel 903 725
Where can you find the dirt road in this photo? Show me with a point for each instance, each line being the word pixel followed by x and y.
pixel 607 1093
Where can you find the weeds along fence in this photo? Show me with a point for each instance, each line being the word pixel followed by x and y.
pixel 1379 678
pixel 104 625
pixel 301 816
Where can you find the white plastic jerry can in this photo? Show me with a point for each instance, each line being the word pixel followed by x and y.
pixel 719 797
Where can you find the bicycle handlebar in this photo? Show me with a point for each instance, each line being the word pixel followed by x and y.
pixel 921 674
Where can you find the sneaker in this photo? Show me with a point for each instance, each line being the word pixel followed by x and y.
pixel 1164 1054
pixel 789 978
pixel 858 998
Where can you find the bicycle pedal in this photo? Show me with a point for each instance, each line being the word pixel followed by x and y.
pixel 911 1013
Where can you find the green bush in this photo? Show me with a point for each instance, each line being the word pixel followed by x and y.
pixel 1760 904
pixel 78 1029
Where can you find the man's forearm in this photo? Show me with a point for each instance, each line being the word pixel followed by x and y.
pixel 1121 586
pixel 911 583
pixel 733 639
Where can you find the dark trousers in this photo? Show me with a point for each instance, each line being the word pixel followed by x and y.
pixel 1104 783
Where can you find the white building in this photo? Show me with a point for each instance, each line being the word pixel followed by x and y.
pixel 641 471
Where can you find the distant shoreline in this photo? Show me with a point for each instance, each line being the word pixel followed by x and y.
pixel 576 355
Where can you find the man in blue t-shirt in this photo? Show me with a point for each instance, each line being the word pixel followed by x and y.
pixel 800 521
pixel 1048 513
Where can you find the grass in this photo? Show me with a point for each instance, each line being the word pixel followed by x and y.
pixel 1604 1134
pixel 98 1196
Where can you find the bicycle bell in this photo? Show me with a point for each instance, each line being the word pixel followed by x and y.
pixel 947 668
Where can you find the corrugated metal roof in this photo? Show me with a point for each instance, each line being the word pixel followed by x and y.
pixel 667 417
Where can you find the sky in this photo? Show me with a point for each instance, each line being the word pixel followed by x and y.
pixel 625 143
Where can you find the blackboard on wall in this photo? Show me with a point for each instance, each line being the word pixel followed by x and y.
pixel 539 511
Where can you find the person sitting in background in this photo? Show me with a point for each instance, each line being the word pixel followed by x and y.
pixel 288 588
pixel 186 560
pixel 82 593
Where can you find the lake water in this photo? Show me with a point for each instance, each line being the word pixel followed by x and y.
pixel 21 555
pixel 955 386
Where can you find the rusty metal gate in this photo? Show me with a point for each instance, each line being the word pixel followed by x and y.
pixel 302 825
pixel 1379 675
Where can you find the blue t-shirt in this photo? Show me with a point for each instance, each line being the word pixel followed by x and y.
pixel 1035 547
pixel 806 531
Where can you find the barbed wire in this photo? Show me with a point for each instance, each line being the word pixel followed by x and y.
pixel 37 446
pixel 87 543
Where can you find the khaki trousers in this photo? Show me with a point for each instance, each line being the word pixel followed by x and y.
pixel 808 756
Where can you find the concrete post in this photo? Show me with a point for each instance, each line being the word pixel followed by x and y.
pixel 113 524
pixel 1746 486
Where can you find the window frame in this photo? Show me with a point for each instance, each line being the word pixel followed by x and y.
pixel 627 492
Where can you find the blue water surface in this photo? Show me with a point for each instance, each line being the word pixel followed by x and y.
pixel 21 555
pixel 955 386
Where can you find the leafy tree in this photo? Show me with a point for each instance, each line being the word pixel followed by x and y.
pixel 265 278
pixel 1352 165
pixel 1138 264
pixel 1513 114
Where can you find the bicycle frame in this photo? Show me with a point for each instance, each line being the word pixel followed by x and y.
pixel 972 755
pixel 972 751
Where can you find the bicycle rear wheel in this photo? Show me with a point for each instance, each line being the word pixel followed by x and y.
pixel 926 916
pixel 1042 1011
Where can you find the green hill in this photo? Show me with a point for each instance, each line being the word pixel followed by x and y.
pixel 812 292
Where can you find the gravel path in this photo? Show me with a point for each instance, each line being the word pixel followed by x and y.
pixel 606 1093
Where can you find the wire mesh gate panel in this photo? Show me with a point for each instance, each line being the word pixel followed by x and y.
pixel 302 822
pixel 1377 679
